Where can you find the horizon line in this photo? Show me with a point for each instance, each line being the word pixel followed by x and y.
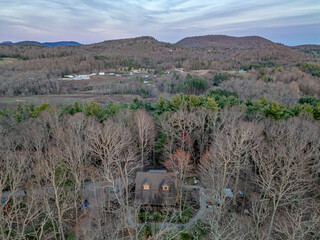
pixel 159 40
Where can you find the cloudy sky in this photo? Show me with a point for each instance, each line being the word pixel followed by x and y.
pixel 291 22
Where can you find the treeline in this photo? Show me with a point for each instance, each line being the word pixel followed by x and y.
pixel 310 68
pixel 212 100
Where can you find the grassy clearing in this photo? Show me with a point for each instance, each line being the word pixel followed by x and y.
pixel 241 72
pixel 4 61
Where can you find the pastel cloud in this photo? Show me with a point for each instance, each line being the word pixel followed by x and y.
pixel 287 21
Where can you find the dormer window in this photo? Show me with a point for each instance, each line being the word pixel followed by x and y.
pixel 165 187
pixel 146 185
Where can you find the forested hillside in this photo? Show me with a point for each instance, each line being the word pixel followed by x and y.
pixel 33 70
pixel 223 40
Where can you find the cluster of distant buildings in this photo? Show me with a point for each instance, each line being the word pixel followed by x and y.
pixel 87 76
pixel 81 77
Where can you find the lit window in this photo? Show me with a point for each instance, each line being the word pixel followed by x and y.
pixel 146 187
pixel 165 187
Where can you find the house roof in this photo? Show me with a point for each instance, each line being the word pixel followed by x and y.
pixel 158 170
pixel 146 181
pixel 165 181
pixel 155 195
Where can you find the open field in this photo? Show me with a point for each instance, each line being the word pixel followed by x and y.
pixel 241 72
pixel 66 99
pixel 6 60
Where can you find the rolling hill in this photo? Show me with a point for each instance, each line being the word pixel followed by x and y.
pixel 22 43
pixel 47 44
pixel 223 40
pixel 61 43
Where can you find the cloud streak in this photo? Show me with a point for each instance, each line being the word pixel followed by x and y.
pixel 168 20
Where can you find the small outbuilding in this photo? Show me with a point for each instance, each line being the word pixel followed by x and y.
pixel 155 189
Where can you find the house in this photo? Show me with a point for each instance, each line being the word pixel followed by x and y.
pixel 179 69
pixel 68 76
pixel 81 77
pixel 155 188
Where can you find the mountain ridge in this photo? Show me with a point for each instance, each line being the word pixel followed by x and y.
pixel 193 42
pixel 47 44
pixel 223 40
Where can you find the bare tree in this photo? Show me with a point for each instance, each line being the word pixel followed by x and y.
pixel 285 164
pixel 300 221
pixel 146 132
pixel 19 212
pixel 240 139
pixel 179 163
pixel 55 186
pixel 221 168
pixel 216 174
pixel 206 122
pixel 112 144
pixel 178 128
pixel 74 149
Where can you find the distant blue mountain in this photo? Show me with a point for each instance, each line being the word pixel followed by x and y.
pixel 62 43
pixel 47 44
pixel 7 43
pixel 29 43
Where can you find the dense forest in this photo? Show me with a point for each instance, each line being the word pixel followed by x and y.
pixel 267 151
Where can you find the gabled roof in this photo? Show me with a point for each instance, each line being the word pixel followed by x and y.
pixel 155 195
pixel 146 181
pixel 165 181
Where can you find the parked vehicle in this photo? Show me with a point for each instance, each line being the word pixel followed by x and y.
pixel 84 205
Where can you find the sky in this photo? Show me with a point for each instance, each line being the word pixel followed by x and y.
pixel 291 22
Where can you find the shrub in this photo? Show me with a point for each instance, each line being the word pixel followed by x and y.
pixel 313 69
pixel 195 85
pixel 220 77
pixel 310 100
pixel 91 108
pixel 221 92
